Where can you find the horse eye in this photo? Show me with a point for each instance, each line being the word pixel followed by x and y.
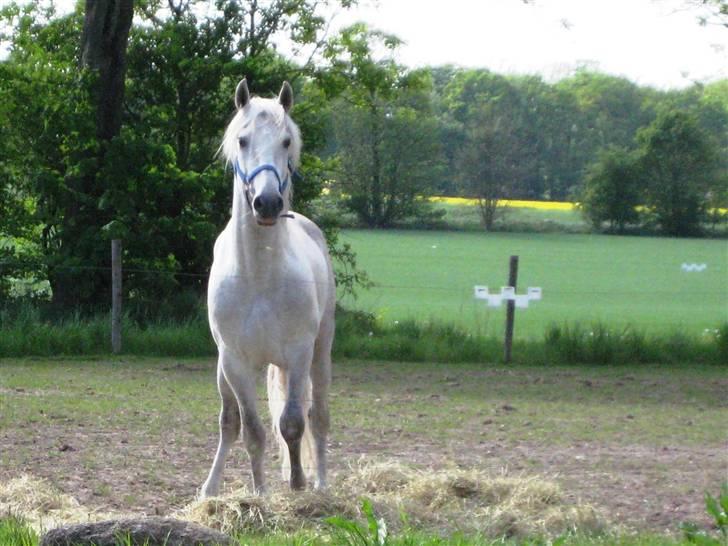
pixel 243 142
pixel 286 142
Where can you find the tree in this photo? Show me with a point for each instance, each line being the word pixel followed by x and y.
pixel 678 165
pixel 490 163
pixel 498 149
pixel 612 190
pixel 385 131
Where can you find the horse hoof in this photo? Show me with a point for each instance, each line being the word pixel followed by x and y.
pixel 207 491
pixel 298 485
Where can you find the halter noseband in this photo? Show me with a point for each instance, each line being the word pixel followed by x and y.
pixel 247 179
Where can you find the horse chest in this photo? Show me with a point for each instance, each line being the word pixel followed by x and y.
pixel 256 317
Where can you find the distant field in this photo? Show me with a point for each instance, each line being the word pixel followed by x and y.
pixel 585 278
pixel 514 215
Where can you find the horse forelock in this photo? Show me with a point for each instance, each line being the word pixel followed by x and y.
pixel 274 113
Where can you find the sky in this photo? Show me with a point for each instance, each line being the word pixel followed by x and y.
pixel 652 42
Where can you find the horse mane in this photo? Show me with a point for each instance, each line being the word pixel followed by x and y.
pixel 276 114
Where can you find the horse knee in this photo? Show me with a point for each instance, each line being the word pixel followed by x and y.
pixel 230 421
pixel 292 423
pixel 254 435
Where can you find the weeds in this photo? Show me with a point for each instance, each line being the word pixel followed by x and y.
pixel 717 509
pixel 14 531
pixel 350 533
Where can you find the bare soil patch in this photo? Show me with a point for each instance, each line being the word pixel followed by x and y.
pixel 640 479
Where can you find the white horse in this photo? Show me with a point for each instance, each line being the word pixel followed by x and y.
pixel 271 300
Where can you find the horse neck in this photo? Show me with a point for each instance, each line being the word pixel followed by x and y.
pixel 256 248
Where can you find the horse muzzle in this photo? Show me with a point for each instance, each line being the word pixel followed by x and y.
pixel 267 208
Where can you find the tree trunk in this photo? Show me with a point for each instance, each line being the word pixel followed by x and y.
pixel 103 52
pixel 103 49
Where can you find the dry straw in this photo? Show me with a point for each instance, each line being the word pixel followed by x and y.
pixel 41 505
pixel 470 501
pixel 446 501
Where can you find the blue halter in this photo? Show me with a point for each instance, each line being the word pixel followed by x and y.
pixel 247 179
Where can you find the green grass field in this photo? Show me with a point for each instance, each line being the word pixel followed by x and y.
pixel 618 281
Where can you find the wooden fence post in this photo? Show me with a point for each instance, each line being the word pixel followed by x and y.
pixel 510 310
pixel 116 296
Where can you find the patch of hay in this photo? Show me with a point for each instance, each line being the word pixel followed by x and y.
pixel 470 501
pixel 279 510
pixel 41 505
pixel 442 502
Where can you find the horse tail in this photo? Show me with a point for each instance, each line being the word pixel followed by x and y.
pixel 277 396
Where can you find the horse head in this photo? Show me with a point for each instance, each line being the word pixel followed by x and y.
pixel 263 144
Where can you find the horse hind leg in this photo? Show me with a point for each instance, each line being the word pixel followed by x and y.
pixel 293 387
pixel 229 431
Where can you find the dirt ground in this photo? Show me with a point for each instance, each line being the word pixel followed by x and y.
pixel 639 486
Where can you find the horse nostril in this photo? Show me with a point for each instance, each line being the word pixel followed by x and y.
pixel 257 203
pixel 279 203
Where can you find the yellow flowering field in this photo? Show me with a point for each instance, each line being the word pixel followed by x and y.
pixel 540 205
pixel 516 203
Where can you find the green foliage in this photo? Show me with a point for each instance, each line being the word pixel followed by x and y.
pixel 350 533
pixel 612 190
pixel 495 126
pixel 717 509
pixel 678 164
pixel 387 150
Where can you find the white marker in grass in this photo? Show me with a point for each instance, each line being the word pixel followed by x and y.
pixel 694 267
pixel 507 293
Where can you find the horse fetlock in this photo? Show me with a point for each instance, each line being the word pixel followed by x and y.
pixel 292 424
pixel 298 480
pixel 210 488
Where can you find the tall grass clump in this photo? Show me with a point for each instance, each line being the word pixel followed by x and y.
pixel 15 532
pixel 361 335
pixel 184 338
pixel 600 344
pixel 25 331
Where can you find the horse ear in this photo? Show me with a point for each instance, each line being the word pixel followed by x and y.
pixel 242 95
pixel 285 97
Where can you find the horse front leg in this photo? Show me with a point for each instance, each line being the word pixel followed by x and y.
pixel 242 381
pixel 229 422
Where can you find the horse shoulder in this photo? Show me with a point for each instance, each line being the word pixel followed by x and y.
pixel 314 232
